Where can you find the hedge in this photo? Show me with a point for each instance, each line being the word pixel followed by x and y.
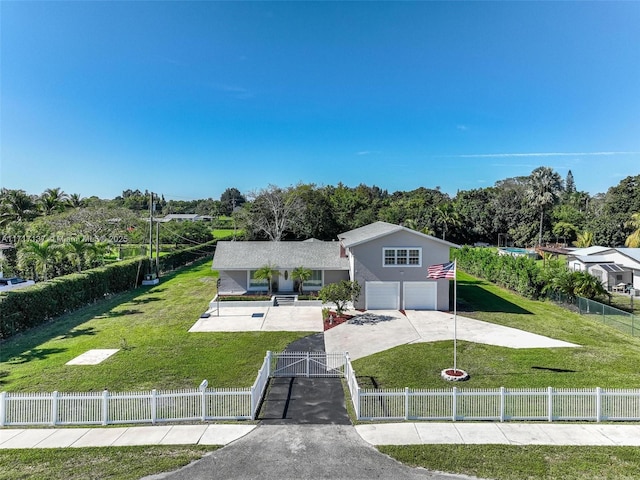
pixel 22 309
pixel 520 274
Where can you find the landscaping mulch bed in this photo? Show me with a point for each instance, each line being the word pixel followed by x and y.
pixel 333 320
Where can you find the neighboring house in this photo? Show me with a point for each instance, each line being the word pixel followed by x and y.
pixel 185 217
pixel 389 261
pixel 617 268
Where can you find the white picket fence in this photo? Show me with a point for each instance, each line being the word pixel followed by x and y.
pixel 455 404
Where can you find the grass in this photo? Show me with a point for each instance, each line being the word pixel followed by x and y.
pixel 531 462
pixel 225 233
pixel 150 325
pixel 606 358
pixel 122 463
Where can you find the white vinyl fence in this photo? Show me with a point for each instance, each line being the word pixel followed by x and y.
pixel 455 404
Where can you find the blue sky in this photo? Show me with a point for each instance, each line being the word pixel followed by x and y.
pixel 189 98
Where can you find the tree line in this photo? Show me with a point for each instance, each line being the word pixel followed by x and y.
pixel 523 211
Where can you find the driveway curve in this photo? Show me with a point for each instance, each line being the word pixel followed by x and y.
pixel 280 452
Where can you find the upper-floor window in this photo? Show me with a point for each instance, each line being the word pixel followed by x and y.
pixel 402 256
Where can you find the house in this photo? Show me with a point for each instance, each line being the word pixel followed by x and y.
pixel 617 268
pixel 185 217
pixel 389 261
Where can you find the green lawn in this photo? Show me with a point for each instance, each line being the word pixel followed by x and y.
pixel 606 358
pixel 150 325
pixel 530 462
pixel 121 463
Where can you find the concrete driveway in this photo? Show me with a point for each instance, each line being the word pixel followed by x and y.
pixel 256 318
pixel 381 330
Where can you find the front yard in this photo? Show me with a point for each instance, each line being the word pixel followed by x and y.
pixel 150 327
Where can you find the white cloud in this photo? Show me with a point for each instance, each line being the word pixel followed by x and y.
pixel 462 128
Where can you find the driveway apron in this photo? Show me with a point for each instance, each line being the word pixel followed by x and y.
pixel 282 452
pixel 300 401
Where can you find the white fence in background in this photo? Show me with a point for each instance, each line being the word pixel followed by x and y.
pixel 455 404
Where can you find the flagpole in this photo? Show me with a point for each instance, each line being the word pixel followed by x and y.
pixel 455 315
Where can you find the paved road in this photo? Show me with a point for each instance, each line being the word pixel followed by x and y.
pixel 281 452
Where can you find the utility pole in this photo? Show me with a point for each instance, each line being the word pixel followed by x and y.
pixel 151 233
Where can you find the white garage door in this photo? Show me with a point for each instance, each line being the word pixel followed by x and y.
pixel 382 295
pixel 420 296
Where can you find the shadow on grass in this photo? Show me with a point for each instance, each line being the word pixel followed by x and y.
pixel 118 313
pixel 79 332
pixel 35 354
pixel 3 374
pixel 472 297
pixel 21 345
pixel 143 300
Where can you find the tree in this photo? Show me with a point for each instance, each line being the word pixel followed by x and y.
pixel 267 272
pixel 543 190
pixel 75 252
pixel 41 255
pixel 230 199
pixel 584 240
pixel 75 200
pixel 340 294
pixel 446 217
pixel 52 200
pixel 570 184
pixel 301 274
pixel 633 240
pixel 274 212
pixel 16 206
pixel 564 230
pixel 96 252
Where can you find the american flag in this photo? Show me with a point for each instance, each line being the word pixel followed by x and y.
pixel 442 270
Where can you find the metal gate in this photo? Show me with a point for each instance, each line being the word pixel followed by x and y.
pixel 307 364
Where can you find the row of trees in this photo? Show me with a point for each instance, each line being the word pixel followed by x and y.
pixel 538 208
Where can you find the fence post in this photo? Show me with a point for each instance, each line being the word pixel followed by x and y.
pixel 308 365
pixel 54 408
pixel 154 412
pixel 502 403
pixel 406 403
pixel 454 405
pixel 105 407
pixel 550 403
pixel 3 408
pixel 204 404
pixel 598 404
pixel 357 400
pixel 269 363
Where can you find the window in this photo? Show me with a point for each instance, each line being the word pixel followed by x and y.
pixel 315 280
pixel 403 256
pixel 257 284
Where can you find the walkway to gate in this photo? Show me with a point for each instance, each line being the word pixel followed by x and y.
pixel 301 399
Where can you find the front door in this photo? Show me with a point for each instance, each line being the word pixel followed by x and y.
pixel 285 282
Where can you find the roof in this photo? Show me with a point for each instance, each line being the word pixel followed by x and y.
pixel 316 255
pixel 611 267
pixel 594 259
pixel 632 253
pixel 381 229
pixel 595 249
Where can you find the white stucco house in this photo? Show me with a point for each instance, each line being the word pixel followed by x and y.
pixel 617 268
pixel 389 261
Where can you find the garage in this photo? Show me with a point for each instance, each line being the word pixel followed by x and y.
pixel 382 295
pixel 420 295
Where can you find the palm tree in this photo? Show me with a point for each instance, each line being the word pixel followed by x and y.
pixel 633 240
pixel 584 240
pixel 267 272
pixel 41 255
pixel 301 274
pixel 447 216
pixel 75 200
pixel 76 251
pixel 52 200
pixel 16 206
pixel 95 253
pixel 589 286
pixel 543 191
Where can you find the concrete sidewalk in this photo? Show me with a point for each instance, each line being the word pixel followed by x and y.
pixel 375 434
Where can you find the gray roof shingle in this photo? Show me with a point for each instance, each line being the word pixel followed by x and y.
pixel 316 255
pixel 380 229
